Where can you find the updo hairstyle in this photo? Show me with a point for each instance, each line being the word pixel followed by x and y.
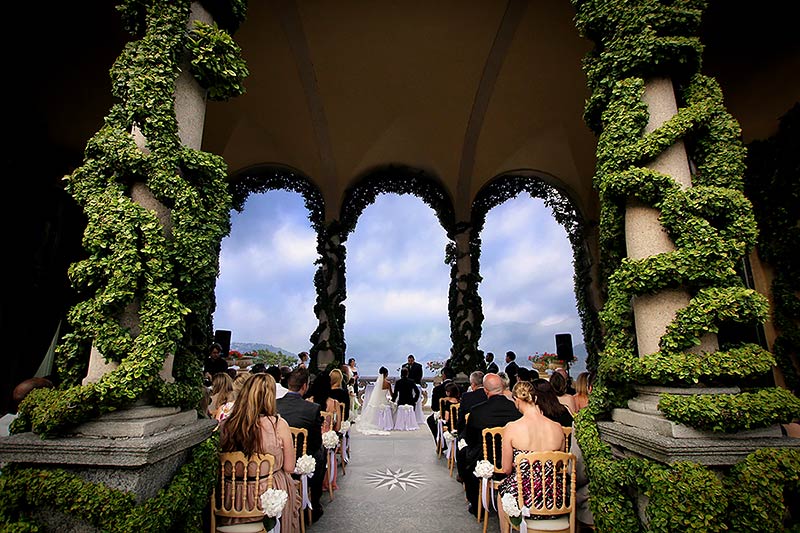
pixel 523 391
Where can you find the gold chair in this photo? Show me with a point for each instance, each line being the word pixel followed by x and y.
pixel 339 450
pixel 451 457
pixel 567 433
pixel 328 424
pixel 556 496
pixel 300 441
pixel 492 439
pixel 241 482
pixel 443 406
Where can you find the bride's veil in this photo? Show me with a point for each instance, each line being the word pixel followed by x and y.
pixel 367 423
pixel 378 395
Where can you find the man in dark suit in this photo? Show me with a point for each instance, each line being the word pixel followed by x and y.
pixel 491 366
pixel 436 394
pixel 414 370
pixel 496 411
pixel 405 390
pixel 300 413
pixel 475 395
pixel 511 369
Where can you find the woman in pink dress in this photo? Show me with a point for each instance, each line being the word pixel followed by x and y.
pixel 254 426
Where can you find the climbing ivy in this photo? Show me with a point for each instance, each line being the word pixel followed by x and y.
pixel 712 226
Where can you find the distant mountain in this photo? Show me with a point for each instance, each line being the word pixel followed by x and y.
pixel 246 347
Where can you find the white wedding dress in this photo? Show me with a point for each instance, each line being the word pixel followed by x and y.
pixel 377 412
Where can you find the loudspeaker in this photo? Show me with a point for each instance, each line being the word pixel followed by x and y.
pixel 223 337
pixel 564 347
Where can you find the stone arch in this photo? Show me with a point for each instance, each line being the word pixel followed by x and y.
pixel 564 206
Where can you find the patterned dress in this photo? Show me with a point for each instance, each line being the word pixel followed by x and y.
pixel 534 494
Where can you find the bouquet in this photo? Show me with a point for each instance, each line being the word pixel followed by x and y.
pixel 513 511
pixel 484 469
pixel 462 444
pixel 345 427
pixel 305 465
pixel 330 439
pixel 449 437
pixel 436 415
pixel 272 502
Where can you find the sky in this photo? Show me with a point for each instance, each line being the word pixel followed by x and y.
pixel 397 281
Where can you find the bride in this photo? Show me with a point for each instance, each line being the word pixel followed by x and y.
pixel 368 422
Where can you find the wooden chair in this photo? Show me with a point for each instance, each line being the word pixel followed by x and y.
pixel 329 423
pixel 443 406
pixel 238 491
pixel 300 441
pixel 567 434
pixel 492 439
pixel 451 453
pixel 339 450
pixel 557 494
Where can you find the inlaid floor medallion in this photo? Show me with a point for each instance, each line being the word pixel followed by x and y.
pixel 396 478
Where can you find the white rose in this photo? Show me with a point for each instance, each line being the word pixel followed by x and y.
pixel 273 501
pixel 305 465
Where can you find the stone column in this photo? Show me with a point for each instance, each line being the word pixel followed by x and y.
pixel 190 112
pixel 644 234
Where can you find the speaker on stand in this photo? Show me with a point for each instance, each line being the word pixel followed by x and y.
pixel 564 347
pixel 223 337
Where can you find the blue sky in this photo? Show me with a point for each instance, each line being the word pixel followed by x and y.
pixel 397 282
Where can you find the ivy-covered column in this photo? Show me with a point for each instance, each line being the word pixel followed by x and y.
pixel 328 345
pixel 645 236
pixel 464 303
pixel 667 292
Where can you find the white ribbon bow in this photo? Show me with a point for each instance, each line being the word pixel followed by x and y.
pixel 304 484
pixel 345 438
pixel 332 471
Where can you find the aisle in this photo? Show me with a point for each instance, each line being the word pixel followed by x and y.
pixel 396 483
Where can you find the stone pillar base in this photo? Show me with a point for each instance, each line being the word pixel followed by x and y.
pixel 142 464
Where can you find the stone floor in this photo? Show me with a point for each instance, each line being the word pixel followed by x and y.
pixel 397 483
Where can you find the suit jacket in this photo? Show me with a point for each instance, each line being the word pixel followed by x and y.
pixel 342 396
pixel 511 372
pixel 407 391
pixel 469 400
pixel 492 368
pixel 300 413
pixel 496 411
pixel 438 393
pixel 414 372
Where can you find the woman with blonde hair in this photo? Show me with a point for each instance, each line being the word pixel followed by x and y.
pixel 534 432
pixel 581 395
pixel 254 426
pixel 225 409
pixel 221 392
pixel 339 392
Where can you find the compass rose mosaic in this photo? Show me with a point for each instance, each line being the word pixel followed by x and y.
pixel 397 478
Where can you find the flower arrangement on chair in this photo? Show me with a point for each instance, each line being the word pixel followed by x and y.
pixel 304 467
pixel 272 502
pixel 511 507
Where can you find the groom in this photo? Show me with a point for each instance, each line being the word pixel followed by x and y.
pixel 406 391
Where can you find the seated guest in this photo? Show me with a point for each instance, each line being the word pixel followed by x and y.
pixel 319 392
pixel 496 411
pixel 475 395
pixel 583 510
pixel 275 372
pixel 225 409
pixel 582 389
pixel 338 392
pixel 452 394
pixel 546 399
pixel 221 392
pixel 506 385
pixel 533 432
pixel 254 426
pixel 259 368
pixel 300 413
pixel 285 371
pixel 559 384
pixel 524 374
pixel 436 394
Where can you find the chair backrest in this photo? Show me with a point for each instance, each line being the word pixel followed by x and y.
pixel 550 476
pixel 567 433
pixel 242 480
pixel 444 404
pixel 300 440
pixel 328 420
pixel 340 412
pixel 492 439
pixel 454 407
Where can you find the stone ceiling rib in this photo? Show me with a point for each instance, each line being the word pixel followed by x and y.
pixel 494 61
pixel 292 25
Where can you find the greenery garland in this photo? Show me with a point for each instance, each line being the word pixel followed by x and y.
pixel 176 507
pixel 712 226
